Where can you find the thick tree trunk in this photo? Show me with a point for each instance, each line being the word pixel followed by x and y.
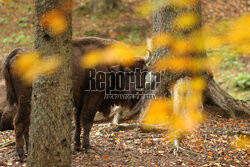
pixel 50 129
pixel 162 22
pixel 226 102
pixel 103 6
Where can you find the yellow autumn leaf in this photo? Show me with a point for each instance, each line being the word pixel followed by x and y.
pixel 26 61
pixel 158 112
pixel 49 65
pixel 240 30
pixel 182 122
pixel 30 65
pixel 183 3
pixel 198 84
pixel 55 21
pixel 119 53
pixel 198 65
pixel 212 61
pixel 112 55
pixel 31 75
pixel 185 21
pixel 181 46
pixel 141 50
pixel 162 40
pixel 173 135
pixel 243 48
pixel 242 142
pixel 196 116
pixel 146 8
pixel 92 59
pixel 212 42
pixel 176 64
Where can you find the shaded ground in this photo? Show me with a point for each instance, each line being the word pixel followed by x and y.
pixel 134 148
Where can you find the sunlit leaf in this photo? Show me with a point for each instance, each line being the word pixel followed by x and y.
pixel 213 42
pixel 240 30
pixel 162 40
pixel 119 53
pixel 185 21
pixel 92 59
pixel 146 8
pixel 242 142
pixel 158 112
pixel 181 46
pixel 183 3
pixel 198 84
pixel 55 21
pixel 114 54
pixel 50 65
pixel 212 61
pixel 177 64
pixel 182 122
pixel 243 48
pixel 30 65
pixel 26 61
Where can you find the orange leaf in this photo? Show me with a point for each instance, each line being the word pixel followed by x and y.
pixel 210 153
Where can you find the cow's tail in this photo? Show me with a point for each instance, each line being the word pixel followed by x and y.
pixel 10 90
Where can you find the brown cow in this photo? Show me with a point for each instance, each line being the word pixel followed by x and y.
pixel 94 101
pixel 86 102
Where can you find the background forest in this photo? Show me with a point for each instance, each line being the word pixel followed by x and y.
pixel 124 24
pixel 212 145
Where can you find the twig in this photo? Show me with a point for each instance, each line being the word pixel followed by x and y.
pixel 231 133
pixel 7 143
pixel 177 148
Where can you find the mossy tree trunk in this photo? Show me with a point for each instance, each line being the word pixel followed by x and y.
pixel 162 22
pixel 50 129
pixel 103 6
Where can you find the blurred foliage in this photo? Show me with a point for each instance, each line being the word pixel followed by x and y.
pixel 242 81
pixel 30 65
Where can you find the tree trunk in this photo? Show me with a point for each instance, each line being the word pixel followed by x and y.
pixel 162 22
pixel 51 108
pixel 103 6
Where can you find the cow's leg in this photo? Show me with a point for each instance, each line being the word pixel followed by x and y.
pixel 78 128
pixel 21 124
pixel 26 136
pixel 19 135
pixel 26 108
pixel 90 107
pixel 117 111
pixel 87 125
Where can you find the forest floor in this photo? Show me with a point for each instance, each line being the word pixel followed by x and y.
pixel 213 145
pixel 212 142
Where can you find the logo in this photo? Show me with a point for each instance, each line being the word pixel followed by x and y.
pixel 123 85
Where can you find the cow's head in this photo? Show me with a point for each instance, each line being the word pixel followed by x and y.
pixel 137 72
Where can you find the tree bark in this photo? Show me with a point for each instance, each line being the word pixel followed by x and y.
pixel 162 22
pixel 103 6
pixel 51 108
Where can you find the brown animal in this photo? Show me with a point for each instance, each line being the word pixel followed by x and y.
pixel 7 113
pixel 86 102
pixel 95 101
